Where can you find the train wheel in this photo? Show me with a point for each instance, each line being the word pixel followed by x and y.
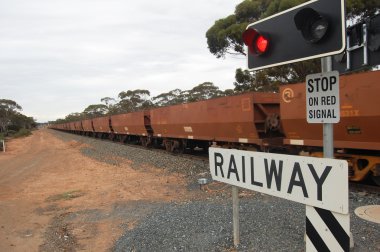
pixel 144 141
pixel 168 145
pixel 375 179
pixel 178 147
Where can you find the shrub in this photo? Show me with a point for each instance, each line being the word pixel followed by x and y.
pixel 22 133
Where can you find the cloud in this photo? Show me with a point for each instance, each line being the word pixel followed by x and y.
pixel 58 57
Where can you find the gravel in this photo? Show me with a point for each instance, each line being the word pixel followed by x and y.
pixel 114 153
pixel 267 224
pixel 205 224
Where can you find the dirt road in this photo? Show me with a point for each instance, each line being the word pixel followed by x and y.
pixel 52 198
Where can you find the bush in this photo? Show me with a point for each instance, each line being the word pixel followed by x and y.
pixel 22 133
pixel 10 133
pixel 2 136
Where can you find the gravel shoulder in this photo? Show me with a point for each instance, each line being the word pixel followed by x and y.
pixel 203 222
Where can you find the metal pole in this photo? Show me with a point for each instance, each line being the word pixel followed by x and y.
pixel 328 129
pixel 235 214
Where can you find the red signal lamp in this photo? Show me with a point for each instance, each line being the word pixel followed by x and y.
pixel 257 43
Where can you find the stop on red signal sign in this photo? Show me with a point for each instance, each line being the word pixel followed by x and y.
pixel 322 97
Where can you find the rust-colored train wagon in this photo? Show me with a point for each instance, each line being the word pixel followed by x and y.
pixel 59 126
pixel 358 129
pixel 54 126
pixel 71 126
pixel 129 124
pixel 78 126
pixel 101 124
pixel 87 125
pixel 66 126
pixel 246 119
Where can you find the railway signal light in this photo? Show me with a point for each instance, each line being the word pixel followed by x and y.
pixel 257 43
pixel 312 25
pixel 311 30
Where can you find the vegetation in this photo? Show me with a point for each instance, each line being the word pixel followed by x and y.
pixel 224 37
pixel 65 196
pixel 22 133
pixel 12 122
pixel 139 99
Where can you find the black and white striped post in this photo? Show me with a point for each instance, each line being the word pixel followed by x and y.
pixel 327 230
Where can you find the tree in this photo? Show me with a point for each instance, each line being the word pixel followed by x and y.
pixel 8 108
pixel 12 119
pixel 362 8
pixel 107 100
pixel 74 117
pixel 95 110
pixel 225 36
pixel 111 105
pixel 20 121
pixel 228 92
pixel 134 100
pixel 172 97
pixel 203 91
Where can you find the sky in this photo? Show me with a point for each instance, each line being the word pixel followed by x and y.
pixel 59 56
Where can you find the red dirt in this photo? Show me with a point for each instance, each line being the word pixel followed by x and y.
pixel 43 178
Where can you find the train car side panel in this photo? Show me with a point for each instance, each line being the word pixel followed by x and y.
pixel 101 124
pixel 87 125
pixel 359 117
pixel 78 126
pixel 130 123
pixel 240 118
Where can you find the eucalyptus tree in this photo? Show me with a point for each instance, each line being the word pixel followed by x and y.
pixel 133 100
pixel 95 110
pixel 204 91
pixel 8 108
pixel 172 97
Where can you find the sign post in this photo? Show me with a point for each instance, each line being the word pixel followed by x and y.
pixel 235 214
pixel 328 130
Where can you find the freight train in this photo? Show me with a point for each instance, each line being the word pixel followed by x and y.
pixel 273 122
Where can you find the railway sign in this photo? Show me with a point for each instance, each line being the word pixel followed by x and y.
pixel 318 182
pixel 310 30
pixel 322 97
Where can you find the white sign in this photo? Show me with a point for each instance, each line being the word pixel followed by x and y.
pixel 322 97
pixel 318 182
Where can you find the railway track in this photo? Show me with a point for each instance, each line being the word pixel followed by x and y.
pixel 199 156
pixel 364 187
